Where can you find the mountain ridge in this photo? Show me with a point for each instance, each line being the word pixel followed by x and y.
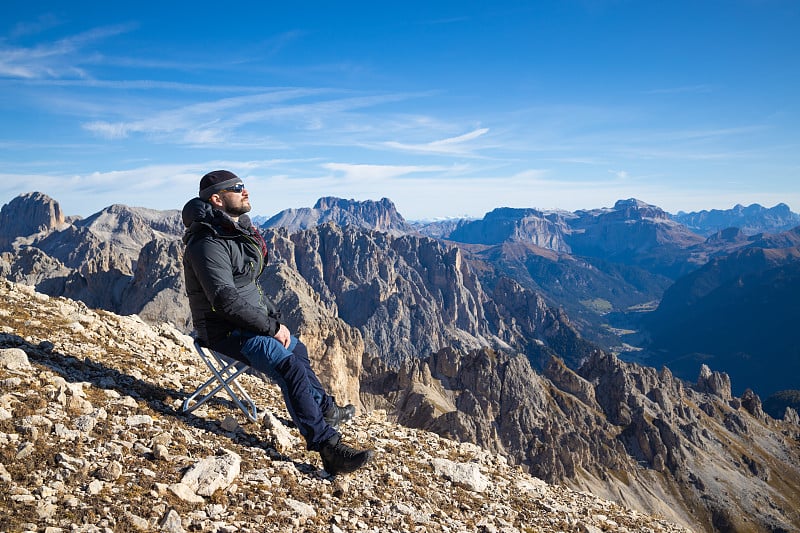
pixel 379 215
pixel 752 219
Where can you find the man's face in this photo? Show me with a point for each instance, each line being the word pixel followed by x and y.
pixel 235 203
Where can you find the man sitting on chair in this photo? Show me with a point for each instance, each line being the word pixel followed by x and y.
pixel 224 257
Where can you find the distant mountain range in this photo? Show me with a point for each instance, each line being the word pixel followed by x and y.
pixel 427 320
pixel 751 220
pixel 600 266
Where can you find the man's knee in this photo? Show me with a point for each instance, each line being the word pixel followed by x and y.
pixel 264 351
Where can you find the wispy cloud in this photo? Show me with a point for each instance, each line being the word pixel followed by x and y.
pixel 215 114
pixel 318 113
pixel 61 58
pixel 452 145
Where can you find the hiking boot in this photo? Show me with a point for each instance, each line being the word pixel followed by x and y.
pixel 338 458
pixel 337 414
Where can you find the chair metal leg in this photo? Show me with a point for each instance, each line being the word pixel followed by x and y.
pixel 224 376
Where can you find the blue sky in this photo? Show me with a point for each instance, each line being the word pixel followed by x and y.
pixel 446 108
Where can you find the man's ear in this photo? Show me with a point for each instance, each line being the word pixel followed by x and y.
pixel 215 200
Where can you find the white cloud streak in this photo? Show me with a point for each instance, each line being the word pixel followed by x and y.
pixel 58 59
pixel 452 145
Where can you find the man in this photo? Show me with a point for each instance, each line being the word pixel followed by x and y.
pixel 224 257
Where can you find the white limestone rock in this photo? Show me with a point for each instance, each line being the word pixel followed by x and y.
pixel 213 473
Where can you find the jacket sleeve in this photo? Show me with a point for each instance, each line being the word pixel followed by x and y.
pixel 211 262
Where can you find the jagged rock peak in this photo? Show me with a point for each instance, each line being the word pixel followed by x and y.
pixel 331 202
pixel 369 214
pixel 632 203
pixel 717 383
pixel 27 214
pixel 633 207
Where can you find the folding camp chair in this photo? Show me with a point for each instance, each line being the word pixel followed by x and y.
pixel 225 370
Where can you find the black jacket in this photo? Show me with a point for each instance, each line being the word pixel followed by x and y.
pixel 221 264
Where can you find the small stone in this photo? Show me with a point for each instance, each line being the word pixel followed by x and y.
pixel 85 424
pixel 171 523
pixel 213 473
pixel 72 502
pixel 161 452
pixel 78 405
pixel 301 508
pixel 15 359
pixel 110 472
pixel 138 523
pixel 139 420
pixel 129 401
pixel 466 475
pixel 185 493
pixel 162 438
pixel 95 487
pixel 284 441
pixel 341 485
pixel 26 450
pixel 229 423
pixel 45 511
pixel 63 432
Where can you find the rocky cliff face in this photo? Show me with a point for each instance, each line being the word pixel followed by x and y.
pixel 690 452
pixel 588 289
pixel 122 258
pixel 407 295
pixel 546 230
pixel 591 263
pixel 130 228
pixel 411 296
pixel 92 437
pixel 26 215
pixel 157 291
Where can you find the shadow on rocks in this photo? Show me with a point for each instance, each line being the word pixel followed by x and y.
pixel 158 398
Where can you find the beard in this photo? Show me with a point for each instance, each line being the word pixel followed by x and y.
pixel 235 209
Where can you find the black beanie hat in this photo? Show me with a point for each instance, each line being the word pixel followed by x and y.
pixel 216 181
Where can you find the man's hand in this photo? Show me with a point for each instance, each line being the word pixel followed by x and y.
pixel 283 335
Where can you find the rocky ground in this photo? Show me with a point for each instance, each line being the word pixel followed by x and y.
pixel 92 438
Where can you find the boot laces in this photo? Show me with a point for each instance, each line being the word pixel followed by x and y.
pixel 345 450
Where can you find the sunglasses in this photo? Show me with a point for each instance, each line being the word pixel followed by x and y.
pixel 239 187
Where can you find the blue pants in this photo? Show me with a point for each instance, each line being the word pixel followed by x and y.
pixel 306 399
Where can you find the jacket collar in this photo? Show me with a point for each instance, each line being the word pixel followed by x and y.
pixel 200 215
